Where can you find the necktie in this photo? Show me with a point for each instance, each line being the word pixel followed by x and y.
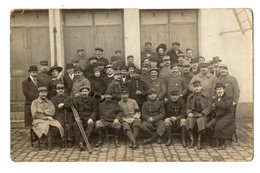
pixel 35 81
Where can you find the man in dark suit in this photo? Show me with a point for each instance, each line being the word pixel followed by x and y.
pixel 68 78
pixel 174 52
pixel 99 55
pixel 30 91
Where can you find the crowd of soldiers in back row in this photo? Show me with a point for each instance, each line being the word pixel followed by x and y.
pixel 170 91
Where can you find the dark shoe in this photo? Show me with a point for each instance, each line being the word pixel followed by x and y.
pixel 81 146
pixel 222 147
pixel 49 143
pixel 134 144
pixel 117 143
pixel 184 144
pixel 131 144
pixel 148 141
pixel 169 142
pixel 199 145
pixel 62 143
pixel 159 140
pixel 99 144
pixel 69 144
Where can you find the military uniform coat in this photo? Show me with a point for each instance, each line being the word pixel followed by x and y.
pixel 159 86
pixel 176 83
pixel 176 108
pixel 52 86
pixel 77 84
pixel 115 87
pixel 44 78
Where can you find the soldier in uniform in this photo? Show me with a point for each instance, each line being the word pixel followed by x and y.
pixel 42 75
pixel 68 78
pixel 137 88
pixel 87 109
pixel 157 83
pixel 56 79
pixel 99 55
pixel 110 113
pixel 116 85
pixel 153 114
pixel 174 52
pixel 63 113
pixel 130 119
pixel 30 91
pixel 198 109
pixel 175 82
pixel 187 75
pixel 175 116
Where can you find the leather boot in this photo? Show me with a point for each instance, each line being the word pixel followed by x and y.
pixel 191 139
pixel 134 144
pixel 62 143
pixel 49 144
pixel 169 135
pixel 199 141
pixel 81 146
pixel 116 142
pixel 183 134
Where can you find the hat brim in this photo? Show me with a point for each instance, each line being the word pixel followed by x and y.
pixel 59 69
pixel 32 70
pixel 222 86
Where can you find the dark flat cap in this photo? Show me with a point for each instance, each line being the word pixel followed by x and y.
pixel 175 92
pixel 124 90
pixel 196 83
pixel 153 69
pixel 84 87
pixel 80 49
pixel 42 89
pixel 148 42
pixel 204 64
pixel 193 60
pixel 60 86
pixel 44 62
pixel 151 90
pixel 219 85
pixel 77 68
pixel 177 43
pixel 180 55
pixel 98 48
pixel 223 66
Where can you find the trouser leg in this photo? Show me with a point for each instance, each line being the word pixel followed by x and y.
pixel 168 130
pixel 130 135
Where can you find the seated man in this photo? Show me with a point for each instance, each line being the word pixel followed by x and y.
pixel 153 114
pixel 63 113
pixel 110 113
pixel 42 114
pixel 223 122
pixel 131 117
pixel 87 109
pixel 175 115
pixel 198 108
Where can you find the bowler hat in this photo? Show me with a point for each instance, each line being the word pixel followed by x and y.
pixel 219 85
pixel 33 68
pixel 177 43
pixel 84 87
pixel 54 67
pixel 196 83
pixel 42 89
pixel 193 60
pixel 98 48
pixel 69 66
pixel 44 62
pixel 216 59
pixel 93 57
pixel 59 86
pixel 77 68
pixel 151 90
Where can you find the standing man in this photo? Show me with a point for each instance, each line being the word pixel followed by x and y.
pixel 148 50
pixel 161 49
pixel 216 62
pixel 198 109
pixel 99 55
pixel 157 84
pixel 79 82
pixel 116 86
pixel 88 72
pixel 187 75
pixel 131 117
pixel 87 109
pixel 174 52
pixel 201 59
pixel 175 82
pixel 68 78
pixel 207 80
pixel 120 58
pixel 30 91
pixel 42 114
pixel 195 66
pixel 189 54
pixel 83 60
pixel 109 74
pixel 153 114
pixel 166 70
pixel 42 75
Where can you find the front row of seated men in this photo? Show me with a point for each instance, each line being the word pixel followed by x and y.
pixel 200 114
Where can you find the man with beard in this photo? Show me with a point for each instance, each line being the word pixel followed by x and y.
pixel 195 66
pixel 79 82
pixel 83 61
pixel 88 72
pixel 175 116
pixel 174 52
pixel 198 109
pixel 131 117
pixel 43 122
pixel 63 113
pixel 187 75
pixel 110 113
pixel 153 114
pixel 148 51
pixel 68 78
pixel 157 84
pixel 42 75
pixel 99 55
pixel 87 109
pixel 175 82
pixel 55 79
pixel 30 91
pixel 109 74
pixel 137 88
pixel 116 86
pixel 166 70
pixel 207 80
pixel 223 123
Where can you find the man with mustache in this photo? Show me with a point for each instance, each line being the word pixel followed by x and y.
pixel 30 91
pixel 42 112
pixel 87 109
pixel 42 75
pixel 99 55
pixel 166 70
pixel 148 50
pixel 83 61
pixel 174 52
pixel 130 119
pixel 195 66
pixel 207 80
pixel 79 82
pixel 187 75
pixel 175 82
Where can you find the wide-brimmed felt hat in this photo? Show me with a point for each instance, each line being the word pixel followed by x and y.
pixel 33 68
pixel 216 59
pixel 58 68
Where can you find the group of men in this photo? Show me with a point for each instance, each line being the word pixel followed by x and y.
pixel 171 91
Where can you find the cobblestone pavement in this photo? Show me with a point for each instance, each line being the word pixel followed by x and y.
pixel 22 151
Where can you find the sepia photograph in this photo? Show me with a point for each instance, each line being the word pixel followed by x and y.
pixel 131 85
